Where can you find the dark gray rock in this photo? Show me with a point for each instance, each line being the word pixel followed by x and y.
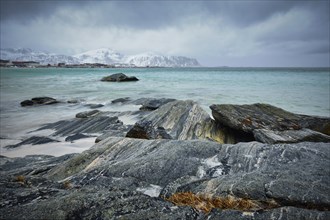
pixel 92 106
pixel 145 130
pixel 35 140
pixel 27 103
pixel 249 118
pixel 87 114
pixel 73 101
pixel 121 100
pixel 77 137
pixel 91 125
pixel 185 120
pixel 30 165
pixel 113 179
pixel 246 170
pixel 289 136
pixel 153 104
pixel 39 101
pixel 119 77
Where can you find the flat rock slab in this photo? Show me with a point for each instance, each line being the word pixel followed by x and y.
pixel 77 136
pixel 289 136
pixel 35 140
pixel 91 125
pixel 119 77
pixel 248 118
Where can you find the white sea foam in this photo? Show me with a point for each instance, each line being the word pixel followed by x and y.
pixel 54 149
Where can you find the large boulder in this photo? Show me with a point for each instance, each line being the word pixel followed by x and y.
pixel 183 120
pixel 39 101
pixel 270 124
pixel 119 77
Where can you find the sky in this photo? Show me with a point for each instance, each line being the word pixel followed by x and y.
pixel 244 33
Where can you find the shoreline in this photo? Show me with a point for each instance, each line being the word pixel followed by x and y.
pixel 173 153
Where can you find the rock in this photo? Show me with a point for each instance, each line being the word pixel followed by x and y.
pixel 39 101
pixel 272 174
pixel 87 114
pixel 289 136
pixel 183 120
pixel 27 103
pixel 249 118
pixel 30 165
pixel 118 177
pixel 77 137
pixel 145 130
pixel 35 140
pixel 99 124
pixel 266 173
pixel 113 133
pixel 44 100
pixel 92 106
pixel 153 104
pixel 73 101
pixel 121 100
pixel 119 77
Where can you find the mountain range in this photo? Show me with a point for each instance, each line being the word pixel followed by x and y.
pixel 102 55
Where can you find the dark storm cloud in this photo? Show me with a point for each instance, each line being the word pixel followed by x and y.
pixel 208 30
pixel 155 14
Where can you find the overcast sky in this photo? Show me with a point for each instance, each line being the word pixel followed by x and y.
pixel 217 33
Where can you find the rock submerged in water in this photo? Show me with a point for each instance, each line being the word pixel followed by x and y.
pixel 35 140
pixel 87 114
pixel 119 77
pixel 39 101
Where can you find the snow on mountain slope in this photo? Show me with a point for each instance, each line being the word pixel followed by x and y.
pixel 152 59
pixel 26 54
pixel 103 55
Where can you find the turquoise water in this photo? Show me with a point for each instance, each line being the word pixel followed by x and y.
pixel 300 90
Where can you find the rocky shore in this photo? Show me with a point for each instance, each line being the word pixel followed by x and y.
pixel 176 162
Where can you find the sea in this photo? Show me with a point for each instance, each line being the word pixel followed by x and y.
pixel 298 90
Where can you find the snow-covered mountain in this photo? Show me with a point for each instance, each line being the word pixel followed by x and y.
pixel 25 54
pixel 103 56
pixel 152 59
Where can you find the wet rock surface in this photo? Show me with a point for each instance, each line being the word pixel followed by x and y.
pixel 39 101
pixel 185 120
pixel 87 114
pixel 271 124
pixel 153 104
pixel 124 177
pixel 35 140
pixel 134 170
pixel 119 77
pixel 145 130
